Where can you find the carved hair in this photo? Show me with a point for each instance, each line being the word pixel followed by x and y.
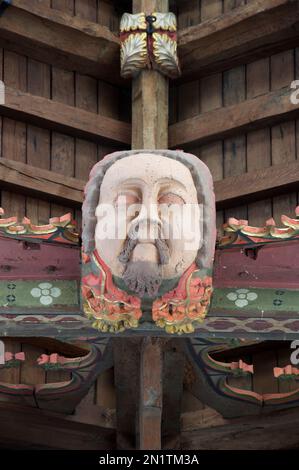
pixel 203 182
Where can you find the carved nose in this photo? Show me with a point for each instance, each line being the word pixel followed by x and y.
pixel 146 230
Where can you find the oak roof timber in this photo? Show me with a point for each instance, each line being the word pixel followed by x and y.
pixel 51 114
pixel 55 37
pixel 242 35
pixel 229 191
pixel 262 111
pixel 29 427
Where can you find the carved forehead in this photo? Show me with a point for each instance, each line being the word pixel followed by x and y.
pixel 148 168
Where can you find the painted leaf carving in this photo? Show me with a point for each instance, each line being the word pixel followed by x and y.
pixel 165 53
pixel 131 22
pixel 165 21
pixel 133 54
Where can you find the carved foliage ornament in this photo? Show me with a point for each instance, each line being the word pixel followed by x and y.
pixel 149 42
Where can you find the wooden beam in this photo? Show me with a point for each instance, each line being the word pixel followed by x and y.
pixel 150 96
pixel 257 184
pixel 248 186
pixel 51 114
pixel 259 112
pixel 276 431
pixel 242 35
pixel 31 428
pixel 47 184
pixel 57 38
pixel 150 405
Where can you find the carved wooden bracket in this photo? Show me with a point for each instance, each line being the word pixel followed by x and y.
pixel 62 396
pixel 211 381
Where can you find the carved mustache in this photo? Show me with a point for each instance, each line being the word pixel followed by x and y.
pixel 132 240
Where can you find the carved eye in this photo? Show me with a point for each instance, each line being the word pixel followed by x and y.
pixel 171 198
pixel 127 199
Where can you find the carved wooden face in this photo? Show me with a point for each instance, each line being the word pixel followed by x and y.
pixel 149 213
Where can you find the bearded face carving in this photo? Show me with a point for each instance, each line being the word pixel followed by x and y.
pixel 148 241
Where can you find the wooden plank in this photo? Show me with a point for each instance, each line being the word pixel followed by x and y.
pixel 229 5
pixel 109 96
pixel 283 137
pixel 12 374
pixel 28 179
pixel 258 142
pixel 86 96
pixel 273 432
pixel 151 394
pixel 31 428
pixel 257 185
pixel 263 379
pixel 211 97
pixel 283 360
pixel 49 35
pixel 245 34
pixel 109 13
pixel 210 9
pixel 31 373
pixel 13 131
pixel 38 140
pixel 150 96
pixel 251 114
pixel 232 190
pixel 188 14
pixel 234 148
pixel 63 91
pixel 61 117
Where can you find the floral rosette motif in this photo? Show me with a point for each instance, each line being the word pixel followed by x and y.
pixel 179 310
pixel 111 309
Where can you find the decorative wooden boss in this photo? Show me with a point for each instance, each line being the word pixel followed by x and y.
pixel 148 241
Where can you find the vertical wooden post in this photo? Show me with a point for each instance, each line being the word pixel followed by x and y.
pixel 150 406
pixel 150 131
pixel 140 365
pixel 150 96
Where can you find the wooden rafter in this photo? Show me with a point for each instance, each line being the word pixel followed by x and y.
pixel 245 34
pixel 273 432
pixel 251 114
pixel 50 35
pixel 248 186
pixel 257 184
pixel 51 114
pixel 45 183
pixel 49 430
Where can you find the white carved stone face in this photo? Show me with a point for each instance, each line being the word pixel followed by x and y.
pixel 153 198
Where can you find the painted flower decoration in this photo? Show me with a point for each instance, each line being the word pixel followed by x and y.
pixel 242 297
pixel 46 293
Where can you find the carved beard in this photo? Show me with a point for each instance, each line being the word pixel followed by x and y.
pixel 141 277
